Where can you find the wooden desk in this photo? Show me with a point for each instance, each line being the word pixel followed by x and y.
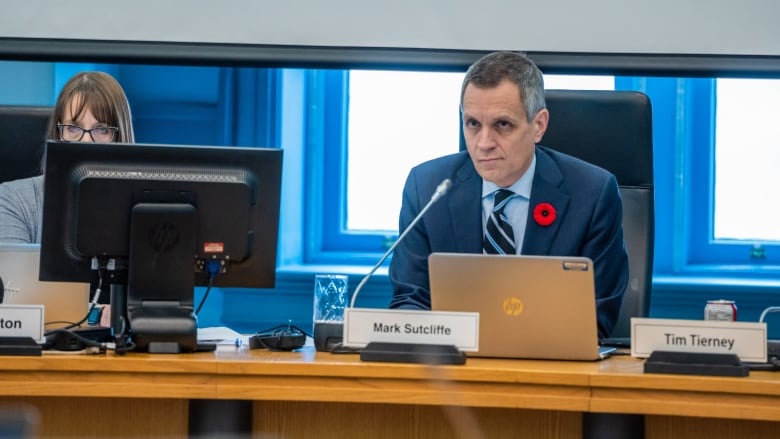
pixel 311 394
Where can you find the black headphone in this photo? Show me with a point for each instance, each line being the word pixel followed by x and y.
pixel 281 338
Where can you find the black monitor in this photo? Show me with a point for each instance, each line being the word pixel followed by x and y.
pixel 154 221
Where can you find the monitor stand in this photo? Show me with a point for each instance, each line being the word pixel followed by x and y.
pixel 161 279
pixel 164 329
pixel 154 329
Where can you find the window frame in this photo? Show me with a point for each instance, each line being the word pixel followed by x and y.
pixel 327 238
pixel 705 252
pixel 683 130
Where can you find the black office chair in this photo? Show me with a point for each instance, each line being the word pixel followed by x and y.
pixel 613 129
pixel 22 139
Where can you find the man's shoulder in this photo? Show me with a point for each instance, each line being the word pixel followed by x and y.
pixel 568 164
pixel 447 162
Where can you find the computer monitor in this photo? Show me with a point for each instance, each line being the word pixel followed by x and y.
pixel 154 221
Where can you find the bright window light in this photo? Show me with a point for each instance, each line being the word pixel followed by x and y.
pixel 747 155
pixel 400 119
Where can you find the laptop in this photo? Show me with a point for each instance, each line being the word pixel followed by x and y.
pixel 63 302
pixel 536 307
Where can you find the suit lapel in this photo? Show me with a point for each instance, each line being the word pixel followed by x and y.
pixel 465 205
pixel 547 179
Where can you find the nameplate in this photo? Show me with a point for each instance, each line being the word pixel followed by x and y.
pixel 364 325
pixel 746 339
pixel 22 321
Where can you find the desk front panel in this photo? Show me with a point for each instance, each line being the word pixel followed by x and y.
pixel 291 390
pixel 93 417
pixel 285 419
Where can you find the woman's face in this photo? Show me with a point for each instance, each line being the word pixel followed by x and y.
pixel 85 127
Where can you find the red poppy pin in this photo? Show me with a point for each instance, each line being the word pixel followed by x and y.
pixel 544 214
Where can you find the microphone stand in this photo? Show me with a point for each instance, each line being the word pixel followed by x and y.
pixel 407 352
pixel 442 189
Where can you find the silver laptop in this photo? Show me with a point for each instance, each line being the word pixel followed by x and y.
pixel 540 307
pixel 63 302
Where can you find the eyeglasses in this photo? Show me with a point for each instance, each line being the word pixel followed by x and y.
pixel 74 133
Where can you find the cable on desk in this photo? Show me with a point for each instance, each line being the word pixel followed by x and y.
pixel 772 364
pixel 212 268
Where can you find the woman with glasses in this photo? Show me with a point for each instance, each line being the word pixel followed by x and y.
pixel 92 107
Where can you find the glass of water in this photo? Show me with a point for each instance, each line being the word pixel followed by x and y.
pixel 331 296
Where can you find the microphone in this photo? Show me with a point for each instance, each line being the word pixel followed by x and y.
pixel 406 352
pixel 441 189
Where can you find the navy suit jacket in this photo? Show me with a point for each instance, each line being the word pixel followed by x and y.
pixel 588 223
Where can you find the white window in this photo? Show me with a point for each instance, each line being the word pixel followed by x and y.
pixel 398 120
pixel 747 160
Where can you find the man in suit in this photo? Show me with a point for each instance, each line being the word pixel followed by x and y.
pixel 558 205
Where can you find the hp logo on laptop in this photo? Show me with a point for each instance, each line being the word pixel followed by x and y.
pixel 512 306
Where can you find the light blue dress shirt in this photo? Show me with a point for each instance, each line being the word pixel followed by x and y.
pixel 516 209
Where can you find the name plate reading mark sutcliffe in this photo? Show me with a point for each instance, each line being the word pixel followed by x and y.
pixel 365 325
pixel 745 339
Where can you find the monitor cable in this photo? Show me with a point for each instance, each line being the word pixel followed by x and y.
pixel 213 267
pixel 92 304
pixel 773 357
pixel 74 338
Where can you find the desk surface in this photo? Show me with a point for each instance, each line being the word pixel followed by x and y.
pixel 615 385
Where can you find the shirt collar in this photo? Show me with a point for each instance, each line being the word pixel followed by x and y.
pixel 521 187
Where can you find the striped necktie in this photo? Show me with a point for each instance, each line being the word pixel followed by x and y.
pixel 499 238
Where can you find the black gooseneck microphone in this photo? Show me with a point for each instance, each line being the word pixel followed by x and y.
pixel 329 337
pixel 407 352
pixel 441 189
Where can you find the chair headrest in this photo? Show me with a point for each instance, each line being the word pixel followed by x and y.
pixel 611 129
pixel 22 139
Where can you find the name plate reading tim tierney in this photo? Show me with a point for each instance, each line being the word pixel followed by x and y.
pixel 745 339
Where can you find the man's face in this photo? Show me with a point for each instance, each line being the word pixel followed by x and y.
pixel 499 138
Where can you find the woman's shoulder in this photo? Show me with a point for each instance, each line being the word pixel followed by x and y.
pixel 24 187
